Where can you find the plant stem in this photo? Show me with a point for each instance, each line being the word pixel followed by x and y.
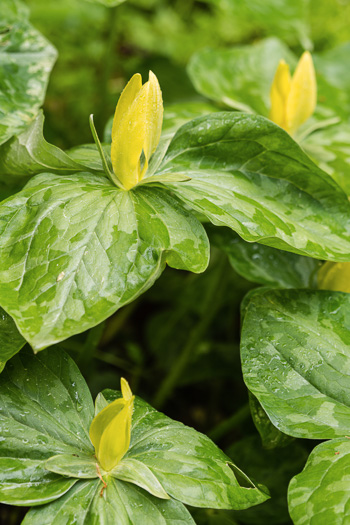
pixel 212 303
pixel 228 424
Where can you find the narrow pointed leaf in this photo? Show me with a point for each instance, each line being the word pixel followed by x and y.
pixel 73 466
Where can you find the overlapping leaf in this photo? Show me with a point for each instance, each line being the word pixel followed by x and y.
pixel 320 493
pixel 296 360
pixel 46 455
pixel 189 465
pixel 76 248
pixel 29 154
pixel 26 60
pixel 262 264
pixel 248 174
pixel 11 340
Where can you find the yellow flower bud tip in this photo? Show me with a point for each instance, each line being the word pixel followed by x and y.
pixel 293 99
pixel 110 430
pixel 334 276
pixel 136 129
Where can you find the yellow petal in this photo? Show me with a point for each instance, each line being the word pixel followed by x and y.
pixel 115 439
pixel 303 93
pixel 126 390
pixel 136 128
pixel 279 94
pixel 102 420
pixel 153 116
pixel 335 277
pixel 127 135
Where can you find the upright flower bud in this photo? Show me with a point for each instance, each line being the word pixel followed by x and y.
pixel 136 130
pixel 110 430
pixel 334 276
pixel 293 99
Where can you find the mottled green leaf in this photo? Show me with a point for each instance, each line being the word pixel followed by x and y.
pixel 248 174
pixel 26 482
pixel 134 471
pixel 189 466
pixel 104 248
pixel 120 503
pixel 262 264
pixel 239 77
pixel 13 11
pixel 320 494
pixel 330 149
pixel 28 154
pixel 296 360
pixel 275 467
pixel 11 340
pixel 26 59
pixel 45 410
pixel 73 466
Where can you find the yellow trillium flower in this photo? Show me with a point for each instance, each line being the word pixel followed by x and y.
pixel 136 130
pixel 334 276
pixel 293 99
pixel 110 430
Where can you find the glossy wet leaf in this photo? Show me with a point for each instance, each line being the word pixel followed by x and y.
pixel 121 503
pixel 104 248
pixel 11 340
pixel 29 154
pixel 320 493
pixel 73 465
pixel 26 60
pixel 42 400
pixel 188 464
pixel 248 174
pixel 45 450
pixel 263 264
pixel 296 359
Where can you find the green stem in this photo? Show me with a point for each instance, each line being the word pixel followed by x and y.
pixel 228 424
pixel 212 303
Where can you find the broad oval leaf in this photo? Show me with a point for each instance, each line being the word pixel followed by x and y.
pixel 103 248
pixel 263 264
pixel 120 503
pixel 296 360
pixel 321 492
pixel 248 174
pixel 189 466
pixel 26 60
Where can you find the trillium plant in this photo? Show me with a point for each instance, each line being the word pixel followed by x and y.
pixel 248 187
